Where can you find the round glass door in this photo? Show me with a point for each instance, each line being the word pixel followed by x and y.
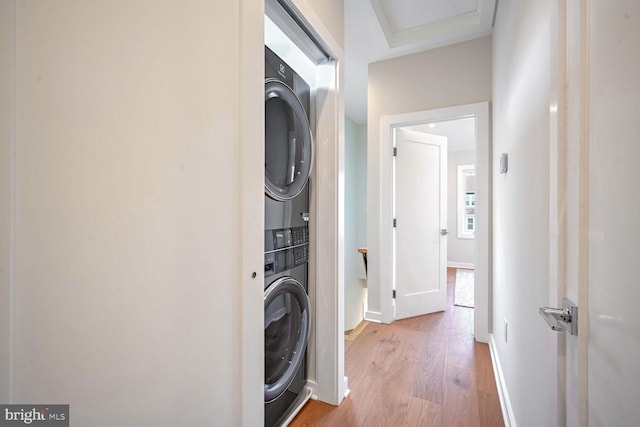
pixel 288 143
pixel 286 330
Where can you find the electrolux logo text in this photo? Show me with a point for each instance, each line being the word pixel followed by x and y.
pixel 39 415
pixel 282 71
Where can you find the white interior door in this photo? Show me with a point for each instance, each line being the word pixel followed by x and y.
pixel 420 193
pixel 599 250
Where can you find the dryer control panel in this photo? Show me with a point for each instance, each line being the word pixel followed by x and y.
pixel 281 239
pixel 285 249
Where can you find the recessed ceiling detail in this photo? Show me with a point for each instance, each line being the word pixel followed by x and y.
pixel 411 21
pixel 404 15
pixel 378 30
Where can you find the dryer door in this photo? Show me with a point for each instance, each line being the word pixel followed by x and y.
pixel 286 330
pixel 288 144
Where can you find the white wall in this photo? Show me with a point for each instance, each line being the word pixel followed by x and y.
pixel 594 167
pixel 460 252
pixel 614 209
pixel 138 206
pixel 355 222
pixel 449 76
pixel 521 94
pixel 133 300
pixel 331 14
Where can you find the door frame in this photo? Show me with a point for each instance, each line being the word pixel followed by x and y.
pixel 483 247
pixel 325 351
pixel 569 232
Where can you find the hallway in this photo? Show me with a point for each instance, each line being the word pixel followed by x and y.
pixel 422 371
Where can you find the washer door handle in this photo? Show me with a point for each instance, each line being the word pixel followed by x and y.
pixel 292 157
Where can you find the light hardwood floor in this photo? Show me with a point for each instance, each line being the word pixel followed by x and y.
pixel 423 371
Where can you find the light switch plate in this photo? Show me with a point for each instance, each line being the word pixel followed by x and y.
pixel 504 163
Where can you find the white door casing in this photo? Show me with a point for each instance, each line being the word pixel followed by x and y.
pixel 380 196
pixel 420 194
pixel 325 352
pixel 568 190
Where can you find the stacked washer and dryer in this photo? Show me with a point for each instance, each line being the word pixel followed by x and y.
pixel 288 161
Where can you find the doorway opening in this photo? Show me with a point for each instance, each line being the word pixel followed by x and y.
pixel 479 114
pixel 434 190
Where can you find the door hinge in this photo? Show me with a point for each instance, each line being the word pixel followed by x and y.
pixel 394 294
pixel 395 223
pixel 395 151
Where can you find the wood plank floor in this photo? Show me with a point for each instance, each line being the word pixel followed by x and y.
pixel 423 371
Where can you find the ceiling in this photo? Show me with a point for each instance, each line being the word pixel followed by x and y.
pixel 460 133
pixel 376 30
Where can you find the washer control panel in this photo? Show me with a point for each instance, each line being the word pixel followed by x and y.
pixel 285 249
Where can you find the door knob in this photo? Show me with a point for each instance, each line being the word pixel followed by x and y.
pixel 444 232
pixel 562 319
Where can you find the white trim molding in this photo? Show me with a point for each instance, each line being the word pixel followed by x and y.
pixel 503 394
pixel 380 199
pixel 465 265
pixel 373 316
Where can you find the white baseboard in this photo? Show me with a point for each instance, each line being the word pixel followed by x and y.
pixel 347 392
pixel 373 316
pixel 505 402
pixel 313 386
pixel 467 265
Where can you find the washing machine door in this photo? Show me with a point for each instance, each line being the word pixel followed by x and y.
pixel 288 142
pixel 286 331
